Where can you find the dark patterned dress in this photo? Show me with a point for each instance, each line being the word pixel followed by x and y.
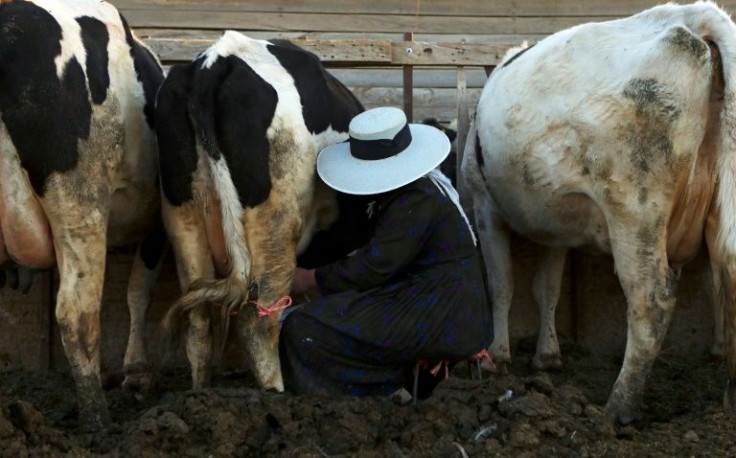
pixel 415 291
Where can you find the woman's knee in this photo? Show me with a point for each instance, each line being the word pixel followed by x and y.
pixel 292 327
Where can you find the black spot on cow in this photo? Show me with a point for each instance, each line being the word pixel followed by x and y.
pixel 95 39
pixel 316 86
pixel 232 107
pixel 176 140
pixel 517 55
pixel 153 246
pixel 648 135
pixel 479 154
pixel 682 40
pixel 45 115
pixel 147 70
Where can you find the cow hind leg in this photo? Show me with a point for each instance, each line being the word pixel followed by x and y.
pixel 718 347
pixel 273 250
pixel 727 299
pixel 81 248
pixel 495 243
pixel 144 271
pixel 723 268
pixel 188 235
pixel 547 284
pixel 650 286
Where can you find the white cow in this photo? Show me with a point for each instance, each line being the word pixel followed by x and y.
pixel 618 137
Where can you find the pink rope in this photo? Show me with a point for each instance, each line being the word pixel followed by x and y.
pixel 481 356
pixel 436 369
pixel 281 304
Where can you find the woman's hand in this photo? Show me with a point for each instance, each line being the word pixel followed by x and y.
pixel 304 281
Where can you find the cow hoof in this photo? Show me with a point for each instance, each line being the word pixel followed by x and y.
pixel 499 368
pixel 137 378
pixel 487 368
pixel 621 414
pixel 94 420
pixel 550 362
pixel 137 383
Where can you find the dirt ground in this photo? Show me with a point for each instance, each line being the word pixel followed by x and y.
pixel 519 414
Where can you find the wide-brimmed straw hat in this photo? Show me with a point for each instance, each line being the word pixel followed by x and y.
pixel 382 154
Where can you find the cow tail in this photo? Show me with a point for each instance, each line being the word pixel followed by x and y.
pixel 719 29
pixel 232 292
pixel 468 169
pixel 224 294
pixel 204 111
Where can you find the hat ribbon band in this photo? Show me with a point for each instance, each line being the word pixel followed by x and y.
pixel 371 150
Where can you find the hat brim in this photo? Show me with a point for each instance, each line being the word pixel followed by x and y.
pixel 343 172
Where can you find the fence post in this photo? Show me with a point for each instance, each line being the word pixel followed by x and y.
pixel 408 88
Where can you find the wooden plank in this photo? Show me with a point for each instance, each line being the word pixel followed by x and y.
pixel 358 52
pixel 423 77
pixel 146 33
pixel 436 7
pixel 428 103
pixel 424 53
pixel 356 23
pixel 363 52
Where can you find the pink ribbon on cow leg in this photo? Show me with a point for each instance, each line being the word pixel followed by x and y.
pixel 281 304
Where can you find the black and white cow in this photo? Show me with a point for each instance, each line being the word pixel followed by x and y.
pixel 239 130
pixel 78 167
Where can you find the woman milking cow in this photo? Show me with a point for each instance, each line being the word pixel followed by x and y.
pixel 413 293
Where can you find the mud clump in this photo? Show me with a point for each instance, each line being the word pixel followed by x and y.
pixel 23 432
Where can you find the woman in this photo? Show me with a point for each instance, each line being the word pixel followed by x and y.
pixel 414 292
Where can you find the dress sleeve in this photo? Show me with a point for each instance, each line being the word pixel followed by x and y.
pixel 400 232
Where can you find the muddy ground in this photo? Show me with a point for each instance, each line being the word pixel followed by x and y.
pixel 519 414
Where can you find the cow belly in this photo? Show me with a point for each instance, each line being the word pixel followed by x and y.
pixel 562 219
pixel 26 235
